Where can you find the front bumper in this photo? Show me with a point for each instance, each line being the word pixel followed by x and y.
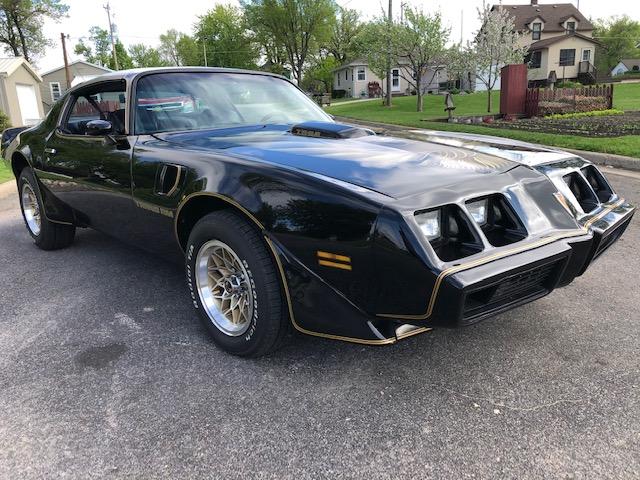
pixel 480 290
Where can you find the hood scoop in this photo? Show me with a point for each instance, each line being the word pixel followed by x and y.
pixel 329 130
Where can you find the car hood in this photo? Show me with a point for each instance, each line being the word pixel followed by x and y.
pixel 393 166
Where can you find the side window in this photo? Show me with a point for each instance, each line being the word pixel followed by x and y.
pixel 104 102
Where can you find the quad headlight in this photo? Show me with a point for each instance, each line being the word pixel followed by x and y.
pixel 497 219
pixel 478 210
pixel 430 224
pixel 449 232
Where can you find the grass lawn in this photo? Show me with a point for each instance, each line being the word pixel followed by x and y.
pixel 5 173
pixel 626 97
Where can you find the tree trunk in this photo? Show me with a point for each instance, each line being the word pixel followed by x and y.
pixel 488 100
pixel 419 93
pixel 23 43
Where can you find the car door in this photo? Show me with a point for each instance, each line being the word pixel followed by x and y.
pixel 92 173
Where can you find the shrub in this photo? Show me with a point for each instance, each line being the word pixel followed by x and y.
pixel 598 113
pixel 568 84
pixel 454 91
pixel 4 121
pixel 338 93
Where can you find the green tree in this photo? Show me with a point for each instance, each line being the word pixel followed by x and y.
pixel 145 56
pixel 319 76
pixel 420 43
pixel 188 51
pixel 343 45
pixel 228 41
pixel 169 47
pixel 99 51
pixel 374 41
pixel 21 25
pixel 298 26
pixel 619 37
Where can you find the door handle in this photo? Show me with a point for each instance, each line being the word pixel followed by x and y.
pixel 50 151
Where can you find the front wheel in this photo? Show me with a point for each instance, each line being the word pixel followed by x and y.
pixel 47 235
pixel 234 285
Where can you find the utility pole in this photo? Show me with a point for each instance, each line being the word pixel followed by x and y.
pixel 204 50
pixel 113 42
pixel 67 73
pixel 389 21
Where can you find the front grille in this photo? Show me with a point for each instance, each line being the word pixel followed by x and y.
pixel 512 290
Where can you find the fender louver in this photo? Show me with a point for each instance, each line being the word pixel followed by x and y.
pixel 329 130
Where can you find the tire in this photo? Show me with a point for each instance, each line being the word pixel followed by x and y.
pixel 227 264
pixel 46 234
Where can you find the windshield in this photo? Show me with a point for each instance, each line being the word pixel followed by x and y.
pixel 202 100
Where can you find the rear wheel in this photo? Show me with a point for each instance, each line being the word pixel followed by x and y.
pixel 47 235
pixel 234 285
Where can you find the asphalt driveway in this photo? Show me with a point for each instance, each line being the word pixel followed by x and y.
pixel 106 372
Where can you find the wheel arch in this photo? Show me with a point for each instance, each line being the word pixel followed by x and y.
pixel 196 205
pixel 18 163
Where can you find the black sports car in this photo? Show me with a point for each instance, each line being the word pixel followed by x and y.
pixel 286 217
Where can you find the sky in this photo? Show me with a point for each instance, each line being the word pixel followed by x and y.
pixel 142 21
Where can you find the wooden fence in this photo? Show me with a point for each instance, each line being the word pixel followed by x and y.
pixel 545 101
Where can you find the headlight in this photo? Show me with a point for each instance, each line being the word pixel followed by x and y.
pixel 429 223
pixel 497 220
pixel 448 229
pixel 478 210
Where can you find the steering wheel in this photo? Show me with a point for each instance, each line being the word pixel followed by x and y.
pixel 273 117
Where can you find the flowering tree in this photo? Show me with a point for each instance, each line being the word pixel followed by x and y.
pixel 420 42
pixel 496 44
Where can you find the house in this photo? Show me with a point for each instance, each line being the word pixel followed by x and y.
pixel 559 39
pixel 54 82
pixel 624 66
pixel 354 78
pixel 19 93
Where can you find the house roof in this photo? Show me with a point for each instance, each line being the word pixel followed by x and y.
pixel 358 62
pixel 11 64
pixel 542 44
pixel 76 62
pixel 553 14
pixel 631 62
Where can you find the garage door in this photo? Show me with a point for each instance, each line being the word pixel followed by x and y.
pixel 28 103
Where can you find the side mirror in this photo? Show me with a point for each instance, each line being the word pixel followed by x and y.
pixel 99 127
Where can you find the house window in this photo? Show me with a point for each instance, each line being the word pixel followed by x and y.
pixel 346 74
pixel 586 55
pixel 537 30
pixel 571 27
pixel 534 59
pixel 361 74
pixel 338 79
pixel 56 92
pixel 567 57
pixel 395 79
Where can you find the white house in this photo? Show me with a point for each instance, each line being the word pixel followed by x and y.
pixel 354 78
pixel 54 81
pixel 559 39
pixel 624 66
